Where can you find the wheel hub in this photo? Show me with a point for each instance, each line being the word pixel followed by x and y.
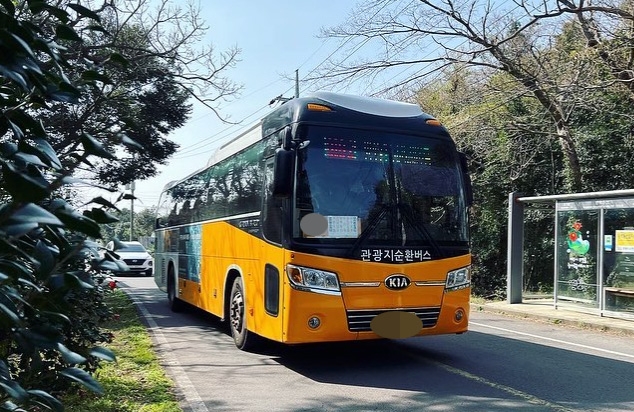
pixel 237 311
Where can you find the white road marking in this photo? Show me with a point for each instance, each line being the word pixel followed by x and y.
pixel 562 342
pixel 512 391
pixel 193 399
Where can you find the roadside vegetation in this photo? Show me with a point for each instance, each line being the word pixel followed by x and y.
pixel 538 94
pixel 88 95
pixel 136 382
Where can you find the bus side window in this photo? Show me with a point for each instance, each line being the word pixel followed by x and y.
pixel 271 208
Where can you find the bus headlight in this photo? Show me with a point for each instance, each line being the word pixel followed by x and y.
pixel 458 279
pixel 313 280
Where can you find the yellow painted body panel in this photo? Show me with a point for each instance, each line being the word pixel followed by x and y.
pixel 226 248
pixel 301 305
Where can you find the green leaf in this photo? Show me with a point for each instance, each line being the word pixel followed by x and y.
pixel 100 216
pixel 74 280
pixel 4 370
pixel 115 265
pixel 17 130
pixel 70 356
pixel 36 6
pixel 127 141
pixel 66 33
pixel 83 224
pixel 56 315
pixel 101 201
pixel 47 150
pixel 96 27
pixel 41 336
pixel 119 59
pixel 31 159
pixel 8 149
pixel 103 353
pixel 92 75
pixel 84 378
pixel 64 92
pixel 46 400
pixel 19 229
pixel 8 5
pixel 45 259
pixel 23 45
pixel 14 268
pixel 35 214
pixel 13 317
pixel 30 284
pixel 85 12
pixel 14 390
pixel 22 186
pixel 93 147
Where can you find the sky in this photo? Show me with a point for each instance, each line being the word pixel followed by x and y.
pixel 275 38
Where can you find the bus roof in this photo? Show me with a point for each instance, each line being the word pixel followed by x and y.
pixel 370 105
pixel 395 114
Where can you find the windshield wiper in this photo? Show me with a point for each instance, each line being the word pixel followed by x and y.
pixel 420 228
pixel 368 230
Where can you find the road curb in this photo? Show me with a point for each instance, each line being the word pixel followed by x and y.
pixel 554 319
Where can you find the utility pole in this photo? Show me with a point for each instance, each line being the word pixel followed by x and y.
pixel 131 209
pixel 296 82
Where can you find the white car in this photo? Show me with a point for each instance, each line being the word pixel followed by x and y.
pixel 134 255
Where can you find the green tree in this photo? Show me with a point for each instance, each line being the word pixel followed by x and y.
pixel 50 299
pixel 142 69
pixel 51 290
pixel 143 224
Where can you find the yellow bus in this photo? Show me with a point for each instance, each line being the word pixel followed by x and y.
pixel 334 218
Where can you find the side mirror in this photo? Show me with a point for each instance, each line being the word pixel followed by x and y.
pixel 467 179
pixel 287 138
pixel 283 172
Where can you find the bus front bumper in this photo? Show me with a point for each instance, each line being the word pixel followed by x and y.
pixel 313 317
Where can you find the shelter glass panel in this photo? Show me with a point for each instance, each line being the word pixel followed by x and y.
pixel 577 256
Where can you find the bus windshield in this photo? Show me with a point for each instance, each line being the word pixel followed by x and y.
pixel 378 188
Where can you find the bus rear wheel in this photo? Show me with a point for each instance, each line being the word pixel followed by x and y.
pixel 243 338
pixel 176 305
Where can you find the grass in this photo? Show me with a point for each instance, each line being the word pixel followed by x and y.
pixel 135 382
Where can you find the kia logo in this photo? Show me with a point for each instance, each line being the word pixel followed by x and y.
pixel 397 282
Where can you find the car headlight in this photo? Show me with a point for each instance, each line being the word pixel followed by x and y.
pixel 458 279
pixel 313 280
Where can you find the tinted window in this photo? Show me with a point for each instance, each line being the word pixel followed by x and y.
pixel 131 248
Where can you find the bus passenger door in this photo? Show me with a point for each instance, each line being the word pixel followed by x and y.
pixel 272 261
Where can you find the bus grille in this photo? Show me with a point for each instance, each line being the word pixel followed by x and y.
pixel 359 320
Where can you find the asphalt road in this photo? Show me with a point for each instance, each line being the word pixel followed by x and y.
pixel 501 364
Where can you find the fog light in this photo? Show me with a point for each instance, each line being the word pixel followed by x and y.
pixel 459 315
pixel 314 322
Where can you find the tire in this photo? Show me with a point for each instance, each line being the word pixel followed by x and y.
pixel 176 305
pixel 242 337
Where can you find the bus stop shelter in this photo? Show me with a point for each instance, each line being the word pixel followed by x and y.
pixel 594 251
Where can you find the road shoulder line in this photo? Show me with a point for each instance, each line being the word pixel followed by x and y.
pixel 182 381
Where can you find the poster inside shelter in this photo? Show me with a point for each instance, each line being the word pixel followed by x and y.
pixel 624 241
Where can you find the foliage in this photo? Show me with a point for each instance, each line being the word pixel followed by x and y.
pixel 136 76
pixel 136 382
pixel 537 94
pixel 93 88
pixel 51 292
pixel 143 224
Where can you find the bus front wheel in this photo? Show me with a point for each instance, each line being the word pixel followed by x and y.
pixel 243 338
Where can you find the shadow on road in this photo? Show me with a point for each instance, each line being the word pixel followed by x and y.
pixel 471 372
